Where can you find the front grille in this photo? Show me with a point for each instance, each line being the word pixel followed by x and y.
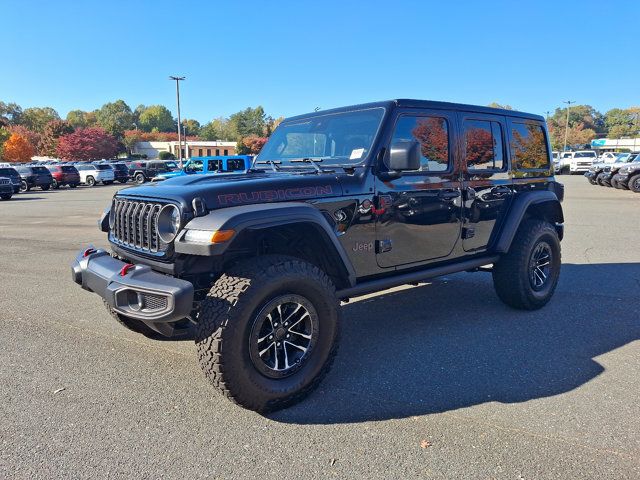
pixel 5 181
pixel 584 164
pixel 134 225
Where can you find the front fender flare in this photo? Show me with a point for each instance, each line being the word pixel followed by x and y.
pixel 255 217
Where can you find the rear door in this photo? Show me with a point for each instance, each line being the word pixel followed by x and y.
pixel 486 181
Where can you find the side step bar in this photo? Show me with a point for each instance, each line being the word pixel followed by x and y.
pixel 412 277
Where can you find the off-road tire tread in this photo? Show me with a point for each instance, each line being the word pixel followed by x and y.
pixel 216 314
pixel 631 183
pixel 511 284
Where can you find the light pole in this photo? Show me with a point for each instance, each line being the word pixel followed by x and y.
pixel 178 79
pixel 566 126
pixel 184 135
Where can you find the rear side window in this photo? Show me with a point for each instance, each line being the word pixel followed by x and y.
pixel 432 133
pixel 68 169
pixel 483 145
pixel 529 147
pixel 214 165
pixel 40 170
pixel 234 164
pixel 103 167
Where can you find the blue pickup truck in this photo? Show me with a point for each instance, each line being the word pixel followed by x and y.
pixel 216 164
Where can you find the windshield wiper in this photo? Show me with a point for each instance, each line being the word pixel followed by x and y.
pixel 312 162
pixel 272 163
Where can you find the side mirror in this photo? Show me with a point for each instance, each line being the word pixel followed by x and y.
pixel 404 156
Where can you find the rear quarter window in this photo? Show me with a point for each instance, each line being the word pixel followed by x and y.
pixel 529 147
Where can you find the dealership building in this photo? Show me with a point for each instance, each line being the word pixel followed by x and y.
pixel 193 148
pixel 616 144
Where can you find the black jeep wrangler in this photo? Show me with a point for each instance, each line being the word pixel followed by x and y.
pixel 338 204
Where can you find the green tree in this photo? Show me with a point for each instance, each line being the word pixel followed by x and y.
pixel 115 118
pixel 4 136
pixel 36 118
pixel 192 126
pixel 10 113
pixel 218 129
pixel 250 121
pixel 622 122
pixel 498 105
pixel 164 155
pixel 82 119
pixel 156 117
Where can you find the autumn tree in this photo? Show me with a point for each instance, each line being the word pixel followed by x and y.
pixel 18 149
pixel 34 138
pixel 35 119
pixel 251 145
pixel 115 118
pixel 90 143
pixel 156 118
pixel 479 146
pixel 432 134
pixel 4 136
pixel 52 133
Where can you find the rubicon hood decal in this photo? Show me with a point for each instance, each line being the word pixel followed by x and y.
pixel 278 195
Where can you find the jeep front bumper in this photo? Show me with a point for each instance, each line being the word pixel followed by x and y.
pixel 135 291
pixel 622 178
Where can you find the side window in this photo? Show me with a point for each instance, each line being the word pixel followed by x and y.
pixel 483 145
pixel 235 164
pixel 432 133
pixel 529 146
pixel 213 165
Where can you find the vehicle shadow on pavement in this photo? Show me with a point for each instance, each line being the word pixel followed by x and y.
pixel 453 344
pixel 20 198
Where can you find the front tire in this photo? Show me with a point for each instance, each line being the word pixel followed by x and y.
pixel 139 178
pixel 526 277
pixel 55 185
pixel 90 181
pixel 634 184
pixel 268 331
pixel 107 182
pixel 45 187
pixel 24 186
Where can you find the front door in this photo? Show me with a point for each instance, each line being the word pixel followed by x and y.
pixel 486 181
pixel 419 214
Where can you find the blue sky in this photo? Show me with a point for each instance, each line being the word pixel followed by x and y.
pixel 293 56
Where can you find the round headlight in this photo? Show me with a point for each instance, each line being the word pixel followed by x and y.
pixel 168 223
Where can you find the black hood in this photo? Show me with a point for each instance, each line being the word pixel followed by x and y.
pixel 226 190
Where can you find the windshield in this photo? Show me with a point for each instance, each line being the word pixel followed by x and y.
pixel 585 154
pixel 194 166
pixel 335 138
pixel 623 158
pixel 8 172
pixel 566 155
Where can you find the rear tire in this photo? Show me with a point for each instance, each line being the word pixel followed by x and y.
pixel 55 185
pixel 132 324
pixel 6 197
pixel 90 181
pixel 139 178
pixel 73 185
pixel 24 187
pixel 242 347
pixel 45 187
pixel 526 277
pixel 634 184
pixel 107 182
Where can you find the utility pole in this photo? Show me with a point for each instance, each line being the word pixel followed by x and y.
pixel 186 147
pixel 178 79
pixel 566 127
pixel 547 114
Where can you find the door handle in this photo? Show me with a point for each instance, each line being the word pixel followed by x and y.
pixel 501 190
pixel 449 195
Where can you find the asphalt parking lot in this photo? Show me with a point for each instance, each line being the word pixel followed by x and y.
pixel 436 381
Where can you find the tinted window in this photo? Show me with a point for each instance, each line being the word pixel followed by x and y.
pixel 103 167
pixel 234 164
pixel 40 170
pixel 213 165
pixel 11 172
pixel 195 166
pixel 432 133
pixel 529 146
pixel 68 169
pixel 483 145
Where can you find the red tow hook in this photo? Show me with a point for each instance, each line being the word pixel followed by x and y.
pixel 124 270
pixel 88 252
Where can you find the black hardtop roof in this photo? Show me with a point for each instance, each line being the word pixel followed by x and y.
pixel 412 103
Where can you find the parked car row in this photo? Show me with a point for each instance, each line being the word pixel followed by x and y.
pixel 574 162
pixel 623 173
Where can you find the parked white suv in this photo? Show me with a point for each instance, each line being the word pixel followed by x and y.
pixel 576 162
pixel 92 174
